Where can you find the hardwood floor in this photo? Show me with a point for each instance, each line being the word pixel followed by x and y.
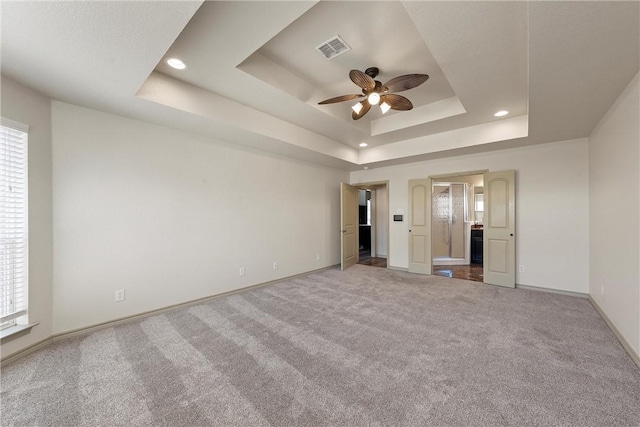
pixel 466 272
pixel 373 261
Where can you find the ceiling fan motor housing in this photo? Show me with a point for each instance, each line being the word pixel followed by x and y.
pixel 372 72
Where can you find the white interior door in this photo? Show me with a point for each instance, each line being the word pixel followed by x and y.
pixel 420 226
pixel 349 225
pixel 499 229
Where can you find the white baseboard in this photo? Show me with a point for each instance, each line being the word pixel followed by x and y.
pixel 553 291
pixel 86 330
pixel 625 344
pixel 391 267
pixel 26 351
pixel 96 327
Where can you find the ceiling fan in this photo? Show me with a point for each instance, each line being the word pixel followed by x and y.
pixel 375 92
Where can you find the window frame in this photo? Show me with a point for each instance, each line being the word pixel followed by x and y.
pixel 18 320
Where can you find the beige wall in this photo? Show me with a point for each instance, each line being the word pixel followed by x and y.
pixel 171 217
pixel 23 105
pixel 552 224
pixel 614 214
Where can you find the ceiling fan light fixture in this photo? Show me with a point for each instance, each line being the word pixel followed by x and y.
pixel 377 93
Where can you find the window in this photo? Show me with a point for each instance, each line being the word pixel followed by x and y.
pixel 13 223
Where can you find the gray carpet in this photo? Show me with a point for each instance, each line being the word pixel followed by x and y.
pixel 367 346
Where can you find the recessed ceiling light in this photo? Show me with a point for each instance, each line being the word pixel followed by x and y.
pixel 363 144
pixel 176 63
pixel 501 113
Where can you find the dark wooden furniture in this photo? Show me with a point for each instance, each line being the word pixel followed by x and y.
pixel 476 246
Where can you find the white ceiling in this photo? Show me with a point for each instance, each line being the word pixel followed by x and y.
pixel 254 77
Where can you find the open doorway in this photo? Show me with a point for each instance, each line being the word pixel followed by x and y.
pixel 456 226
pixel 498 226
pixel 373 224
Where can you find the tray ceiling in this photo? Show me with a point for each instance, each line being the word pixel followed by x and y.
pixel 254 78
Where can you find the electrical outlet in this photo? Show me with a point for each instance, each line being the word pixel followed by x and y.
pixel 521 269
pixel 242 271
pixel 317 257
pixel 275 265
pixel 119 295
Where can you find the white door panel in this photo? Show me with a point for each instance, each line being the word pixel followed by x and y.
pixel 420 226
pixel 349 225
pixel 499 228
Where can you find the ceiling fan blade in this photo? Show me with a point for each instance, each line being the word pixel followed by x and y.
pixel 362 80
pixel 365 109
pixel 397 102
pixel 340 99
pixel 406 82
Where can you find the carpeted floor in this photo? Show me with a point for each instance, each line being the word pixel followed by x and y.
pixel 367 346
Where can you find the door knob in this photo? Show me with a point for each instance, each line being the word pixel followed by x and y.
pixel 344 231
pixel 409 231
pixel 511 234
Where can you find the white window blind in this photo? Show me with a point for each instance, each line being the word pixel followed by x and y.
pixel 13 222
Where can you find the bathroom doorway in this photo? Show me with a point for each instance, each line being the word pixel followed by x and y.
pixel 456 218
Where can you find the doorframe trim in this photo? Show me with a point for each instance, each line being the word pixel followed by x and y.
pixel 362 186
pixel 456 174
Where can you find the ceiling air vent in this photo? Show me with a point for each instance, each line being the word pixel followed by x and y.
pixel 333 47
